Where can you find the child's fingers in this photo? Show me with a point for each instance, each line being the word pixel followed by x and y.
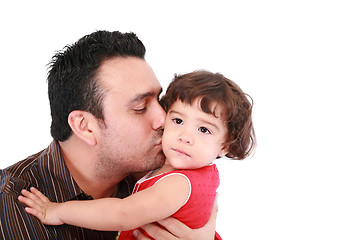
pixel 41 196
pixel 34 212
pixel 33 208
pixel 35 195
pixel 29 202
pixel 30 210
pixel 26 193
pixel 30 196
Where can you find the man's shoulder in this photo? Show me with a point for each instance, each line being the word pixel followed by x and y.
pixel 11 185
pixel 14 220
pixel 19 176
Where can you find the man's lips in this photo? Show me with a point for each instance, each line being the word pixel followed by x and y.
pixel 158 143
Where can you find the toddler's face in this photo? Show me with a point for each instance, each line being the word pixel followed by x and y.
pixel 193 138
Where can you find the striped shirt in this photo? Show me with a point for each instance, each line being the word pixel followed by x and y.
pixel 47 172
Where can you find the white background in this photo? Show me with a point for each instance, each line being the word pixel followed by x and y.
pixel 299 60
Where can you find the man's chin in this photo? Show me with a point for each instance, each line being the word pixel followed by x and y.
pixel 158 162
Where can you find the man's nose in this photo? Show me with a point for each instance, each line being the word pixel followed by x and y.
pixel 159 118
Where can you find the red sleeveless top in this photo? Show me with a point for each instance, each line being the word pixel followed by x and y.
pixel 196 211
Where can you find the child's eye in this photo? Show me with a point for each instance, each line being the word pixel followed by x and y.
pixel 177 121
pixel 204 130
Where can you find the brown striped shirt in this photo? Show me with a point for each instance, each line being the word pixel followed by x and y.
pixel 47 172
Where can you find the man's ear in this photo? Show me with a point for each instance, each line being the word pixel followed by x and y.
pixel 82 124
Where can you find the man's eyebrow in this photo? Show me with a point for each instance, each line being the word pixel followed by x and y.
pixel 142 96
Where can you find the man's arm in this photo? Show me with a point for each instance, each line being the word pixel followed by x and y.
pixel 179 231
pixel 15 223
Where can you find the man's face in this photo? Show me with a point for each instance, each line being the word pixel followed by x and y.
pixel 130 141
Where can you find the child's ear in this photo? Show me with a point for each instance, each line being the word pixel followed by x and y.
pixel 223 151
pixel 82 124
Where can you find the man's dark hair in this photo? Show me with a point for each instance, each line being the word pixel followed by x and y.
pixel 72 77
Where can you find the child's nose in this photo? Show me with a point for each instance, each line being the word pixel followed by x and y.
pixel 186 138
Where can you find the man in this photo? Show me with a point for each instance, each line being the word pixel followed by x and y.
pixel 106 125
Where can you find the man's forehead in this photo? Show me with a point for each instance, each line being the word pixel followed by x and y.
pixel 131 74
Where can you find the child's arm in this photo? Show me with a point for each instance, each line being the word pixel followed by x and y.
pixel 113 214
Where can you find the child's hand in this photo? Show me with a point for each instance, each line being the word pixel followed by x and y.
pixel 40 206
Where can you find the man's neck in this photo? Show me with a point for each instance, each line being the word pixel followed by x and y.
pixel 80 159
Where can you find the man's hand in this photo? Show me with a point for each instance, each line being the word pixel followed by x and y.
pixel 176 230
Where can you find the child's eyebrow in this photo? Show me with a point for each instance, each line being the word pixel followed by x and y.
pixel 209 123
pixel 176 112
